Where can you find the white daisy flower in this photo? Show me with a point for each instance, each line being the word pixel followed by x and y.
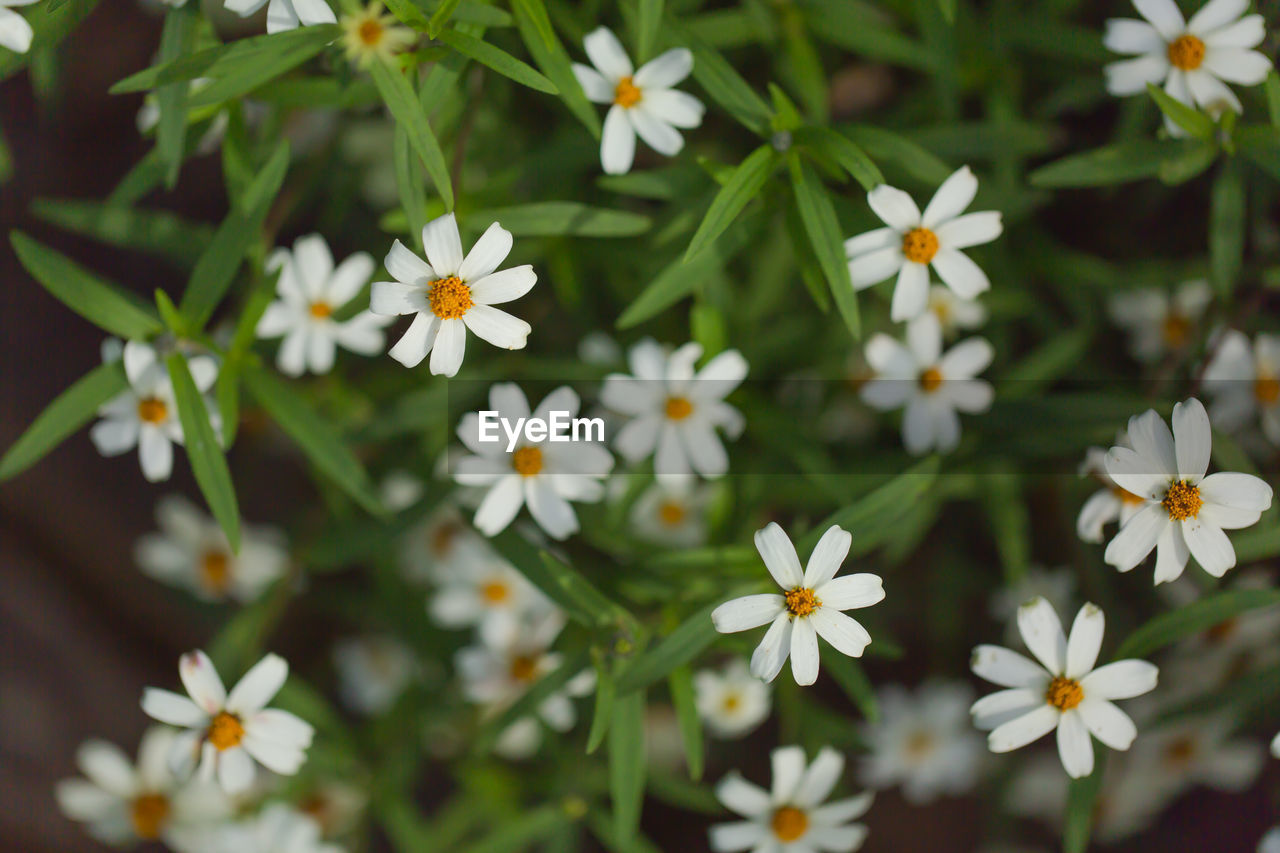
pixel 810 606
pixel 278 828
pixel 400 490
pixel 15 32
pixel 1193 60
pixel 930 385
pixel 643 101
pixel 954 313
pixel 449 294
pixel 285 14
pixel 1184 512
pixel 791 817
pixel 731 701
pixel 913 241
pixel 923 741
pixel 494 597
pixel 1063 691
pixel 1159 322
pixel 120 802
pixel 372 671
pixel 1108 504
pixel 1183 755
pixel 1243 379
pixel 544 475
pixel 371 36
pixel 225 731
pixel 674 409
pixel 191 551
pixel 146 415
pixel 672 512
pixel 311 291
pixel 443 547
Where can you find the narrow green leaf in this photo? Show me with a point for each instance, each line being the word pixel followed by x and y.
pixel 1167 628
pixel 848 673
pixel 1112 164
pixel 397 93
pixel 498 60
pixel 1226 229
pixel 843 150
pixel 157 232
pixel 725 85
pixel 1190 162
pixel 525 828
pixel 536 12
pixel 177 39
pixel 169 314
pixel 1259 543
pixel 550 55
pixel 1272 89
pixel 441 17
pixel 203 450
pixel 69 411
pixel 866 35
pixel 1262 146
pixel 413 197
pixel 885 146
pixel 743 185
pixel 49 25
pixel 602 715
pixel 627 764
pixel 678 648
pixel 561 583
pixel 408 13
pixel 1082 797
pixel 680 682
pixel 1188 118
pixel 98 301
pixel 565 218
pixel 648 27
pixel 870 520
pixel 820 223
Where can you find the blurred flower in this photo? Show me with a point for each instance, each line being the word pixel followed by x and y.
pixel 809 608
pixel 730 700
pixel 335 805
pixel 443 546
pixel 1108 504
pixel 146 415
pixel 1191 58
pixel 493 597
pixel 1057 586
pixel 1184 512
pixel 1064 691
pixel 15 32
pixel 930 384
pixel 1244 381
pixel 372 671
pixel 663 741
pixel 922 741
pixel 400 490
pixel 450 294
pixel 285 14
pixel 226 732
pixel 953 312
pixel 1275 746
pixel 674 411
pixel 912 241
pixel 1198 752
pixel 1159 322
pixel 1270 842
pixel 671 512
pixel 369 36
pixel 643 101
pixel 278 828
pixel 192 552
pixel 311 291
pixel 544 475
pixel 1128 802
pixel 791 817
pixel 597 347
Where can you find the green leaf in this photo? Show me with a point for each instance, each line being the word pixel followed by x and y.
pixel 498 60
pixel 678 648
pixel 680 682
pixel 203 450
pixel 1111 164
pixel 627 764
pixel 1260 543
pixel 441 17
pixel 580 599
pixel 1190 162
pixel 408 13
pixel 602 715
pixel 529 702
pixel 522 830
pixel 72 409
pixel 722 83
pixel 413 197
pixel 865 33
pixel 157 232
pixel 550 55
pixel 316 437
pixel 177 39
pixel 848 673
pixel 871 520
pixel 648 27
pixel 397 93
pixel 1082 797
pixel 820 223
pixel 843 150
pixel 1188 118
pixel 98 301
pixel 1226 229
pixel 885 146
pixel 49 25
pixel 1167 628
pixel 1262 146
pixel 565 218
pixel 743 185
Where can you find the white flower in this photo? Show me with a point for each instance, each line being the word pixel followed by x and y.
pixel 191 551
pixel 278 828
pixel 449 294
pixel 227 731
pixel 1244 381
pixel 371 36
pixel 923 742
pixel 311 291
pixel 1108 504
pixel 912 241
pixel 442 547
pixel 953 312
pixel 810 606
pixel 643 101
pixel 372 672
pixel 930 384
pixel 674 410
pixel 1063 691
pixel 1270 842
pixel 1128 802
pixel 1191 59
pixel 285 14
pixel 400 490
pixel 493 597
pixel 146 415
pixel 731 701
pixel 791 817
pixel 15 32
pixel 672 512
pixel 1159 322
pixel 1184 512
pixel 1202 752
pixel 544 475
pixel 120 802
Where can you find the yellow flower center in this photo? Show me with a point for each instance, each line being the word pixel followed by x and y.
pixel 626 93
pixel 1125 496
pixel 671 513
pixel 370 32
pixel 1175 329
pixel 495 592
pixel 802 601
pixel 1064 693
pixel 931 380
pixel 527 461
pixel 321 310
pixel 148 813
pixel 1182 501
pixel 215 571
pixel 789 823
pixel 449 298
pixel 920 744
pixel 225 731
pixel 919 245
pixel 524 668
pixel 1267 390
pixel 153 410
pixel 731 702
pixel 1186 52
pixel 679 408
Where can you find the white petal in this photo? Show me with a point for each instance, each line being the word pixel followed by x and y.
pixel 840 811
pixel 201 681
pixel 910 293
pixel 887 394
pixel 252 693
pixel 280 727
pixel 750 611
pixel 1237 491
pixel 1136 538
pixel 276 320
pixel 967 359
pixel 924 339
pixel 851 592
pixel 844 633
pixel 1125 35
pixel 819 779
pixel 139 360
pixel 406 267
pixel 500 505
pixel 638 438
pixel 1021 731
pixel 594 86
pixel 972 229
pixel 1246 67
pixel 1123 679
pixel 1163 15
pixel 891 359
pixel 1131 76
pixel 665 70
pixel 894 207
pixel 349 278
pixel 775 645
pixel 552 512
pixel 1085 641
pixel 292 357
pixel 169 707
pixel 1247 32
pixel 607 54
pixel 919 426
pixel 827 556
pixel 1212 94
pixel 113 436
pixel 1172 554
pixel 779 556
pixel 107 767
pixel 837 839
pixel 497 327
pixel 362 333
pixel 1108 723
pixel 875 266
pixel 870 241
pixel 742 797
pixel 738 836
pixel 314 264
pixel 77 798
pixel 617 142
pixel 676 108
pixel 958 272
pixel 320 351
pixel 705 452
pixel 1151 438
pixel 1042 632
pixel 15 32
pixel 235 770
pixel 504 286
pixel 489 251
pixel 417 341
pixel 1228 518
pixel 1100 509
pixel 655 131
pixel 1137 474
pixel 443 245
pixel 1007 668
pixel 450 346
pixel 787 763
pixel 955 194
pixel 1215 14
pixel 1209 545
pixel 1074 747
pixel 993 711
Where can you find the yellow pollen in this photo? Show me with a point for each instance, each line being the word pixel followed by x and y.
pixel 671 513
pixel 148 812
pixel 1267 390
pixel 931 380
pixel 919 744
pixel 1125 496
pixel 153 410
pixel 524 668
pixel 1186 52
pixel 789 823
pixel 225 731
pixel 1175 329
pixel 626 93
pixel 678 408
pixel 449 298
pixel 370 32
pixel 731 703
pixel 1182 501
pixel 321 310
pixel 1181 751
pixel 442 539
pixel 1064 693
pixel 495 592
pixel 919 245
pixel 527 461
pixel 801 601
pixel 215 571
